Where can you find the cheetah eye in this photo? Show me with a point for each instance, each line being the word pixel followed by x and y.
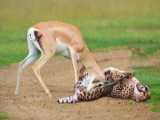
pixel 99 85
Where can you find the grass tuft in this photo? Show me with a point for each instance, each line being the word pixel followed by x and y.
pixel 151 77
pixel 3 116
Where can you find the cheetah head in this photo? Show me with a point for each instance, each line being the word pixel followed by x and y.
pixel 116 74
pixel 141 92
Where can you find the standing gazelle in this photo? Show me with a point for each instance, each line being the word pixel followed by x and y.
pixel 49 38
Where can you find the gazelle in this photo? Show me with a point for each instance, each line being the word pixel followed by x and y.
pixel 53 37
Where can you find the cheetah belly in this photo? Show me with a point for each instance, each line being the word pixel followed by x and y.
pixel 87 82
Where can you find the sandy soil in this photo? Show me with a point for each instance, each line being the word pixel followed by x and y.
pixel 33 103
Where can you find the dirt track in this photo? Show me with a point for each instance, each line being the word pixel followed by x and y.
pixel 33 103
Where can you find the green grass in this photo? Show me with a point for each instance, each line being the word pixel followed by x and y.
pixel 151 77
pixel 142 39
pixel 3 116
pixel 155 108
pixel 13 45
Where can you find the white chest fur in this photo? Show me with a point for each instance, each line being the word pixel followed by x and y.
pixel 88 82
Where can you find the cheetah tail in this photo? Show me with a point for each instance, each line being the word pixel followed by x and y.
pixel 68 99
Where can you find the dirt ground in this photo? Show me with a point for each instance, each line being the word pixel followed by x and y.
pixel 33 103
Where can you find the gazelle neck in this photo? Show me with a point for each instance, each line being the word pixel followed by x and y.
pixel 90 64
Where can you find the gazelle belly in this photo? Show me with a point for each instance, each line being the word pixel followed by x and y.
pixel 63 49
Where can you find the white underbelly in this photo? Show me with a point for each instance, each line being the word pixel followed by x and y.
pixel 63 49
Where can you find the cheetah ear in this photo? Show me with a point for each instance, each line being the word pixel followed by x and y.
pixel 107 74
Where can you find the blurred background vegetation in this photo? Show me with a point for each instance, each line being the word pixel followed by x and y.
pixel 133 24
pixel 105 24
pixel 15 11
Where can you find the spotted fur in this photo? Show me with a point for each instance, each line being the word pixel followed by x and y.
pixel 87 89
pixel 128 87
pixel 118 83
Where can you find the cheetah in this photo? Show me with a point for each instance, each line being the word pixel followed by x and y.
pixel 128 87
pixel 117 84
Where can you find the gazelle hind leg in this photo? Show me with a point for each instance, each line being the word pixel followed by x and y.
pixel 23 64
pixel 32 56
pixel 37 67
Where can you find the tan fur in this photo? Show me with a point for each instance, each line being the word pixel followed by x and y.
pixel 49 33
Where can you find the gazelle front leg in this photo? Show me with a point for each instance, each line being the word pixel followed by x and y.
pixel 37 67
pixel 74 63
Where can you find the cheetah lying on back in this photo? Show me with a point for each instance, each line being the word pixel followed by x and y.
pixel 118 83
